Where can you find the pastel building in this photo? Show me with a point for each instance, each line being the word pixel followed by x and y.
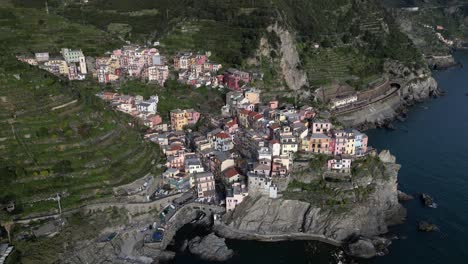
pixel 235 195
pixel 360 143
pixel 321 126
pixel 182 118
pixel 204 183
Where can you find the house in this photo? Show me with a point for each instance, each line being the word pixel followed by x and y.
pixel 153 120
pixel 233 77
pixel 235 195
pixel 317 143
pixel 264 153
pixel 150 106
pixel 289 144
pixel 41 56
pixel 231 175
pixel 262 167
pixel 275 147
pixel 321 126
pixel 158 73
pixel 204 183
pixel 253 96
pixel 231 127
pixel 71 55
pixel 342 101
pixel 223 142
pixel 262 185
pixel 243 117
pixel 193 164
pixel 170 173
pixel 182 118
pixel 360 143
pixel 339 164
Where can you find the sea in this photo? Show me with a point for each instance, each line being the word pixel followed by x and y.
pixel 432 148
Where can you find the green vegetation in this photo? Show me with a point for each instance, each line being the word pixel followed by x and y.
pixel 78 229
pixel 175 95
pixel 320 193
pixel 370 165
pixel 81 150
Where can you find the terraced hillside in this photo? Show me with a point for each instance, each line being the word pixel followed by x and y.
pixel 55 135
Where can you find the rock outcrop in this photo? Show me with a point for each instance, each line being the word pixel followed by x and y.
pixel 210 247
pixel 441 62
pixel 427 227
pixel 294 78
pixel 263 218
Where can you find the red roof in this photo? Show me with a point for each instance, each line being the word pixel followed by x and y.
pixel 274 126
pixel 274 141
pixel 222 135
pixel 176 147
pixel 231 172
pixel 258 116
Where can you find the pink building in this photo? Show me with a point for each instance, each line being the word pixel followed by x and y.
pixel 153 120
pixel 235 196
pixel 340 145
pixel 232 77
pixel 204 183
pixel 273 104
pixel 192 116
pixel 176 161
pixel 321 126
pixel 231 127
pixel 278 168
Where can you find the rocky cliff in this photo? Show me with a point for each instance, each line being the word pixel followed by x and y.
pixel 294 78
pixel 416 85
pixel 263 218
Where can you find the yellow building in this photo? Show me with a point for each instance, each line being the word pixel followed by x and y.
pixel 253 96
pixel 178 119
pixel 350 146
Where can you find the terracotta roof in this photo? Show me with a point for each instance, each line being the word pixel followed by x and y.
pixel 176 147
pixel 231 172
pixel 222 135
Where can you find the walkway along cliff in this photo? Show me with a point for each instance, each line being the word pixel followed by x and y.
pixel 415 85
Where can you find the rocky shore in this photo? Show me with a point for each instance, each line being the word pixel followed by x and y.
pixel 261 218
pixel 416 85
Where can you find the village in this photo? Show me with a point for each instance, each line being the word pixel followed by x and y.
pixel 248 149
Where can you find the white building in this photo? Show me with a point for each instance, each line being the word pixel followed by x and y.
pixel 71 55
pixel 342 101
pixel 339 165
pixel 42 56
pixel 150 106
pixel 235 195
pixel 262 185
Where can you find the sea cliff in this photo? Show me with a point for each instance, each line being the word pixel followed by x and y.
pixel 369 215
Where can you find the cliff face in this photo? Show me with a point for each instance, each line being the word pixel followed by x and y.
pixel 294 78
pixel 417 85
pixel 263 217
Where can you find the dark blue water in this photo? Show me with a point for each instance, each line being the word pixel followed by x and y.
pixel 433 151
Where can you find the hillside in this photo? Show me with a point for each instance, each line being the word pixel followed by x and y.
pixel 355 37
pixel 55 135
